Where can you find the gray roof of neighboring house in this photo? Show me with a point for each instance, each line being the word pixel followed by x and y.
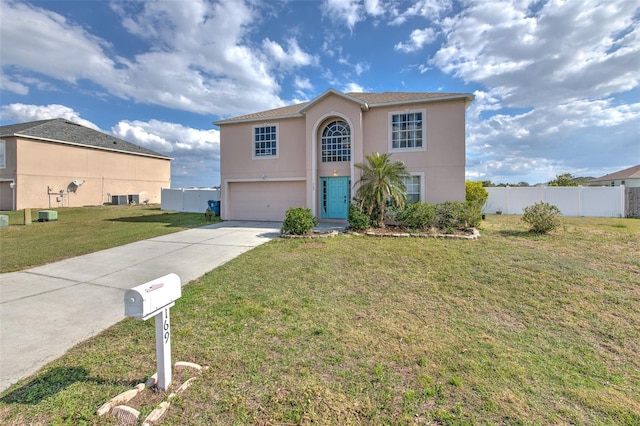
pixel 67 132
pixel 630 173
pixel 368 100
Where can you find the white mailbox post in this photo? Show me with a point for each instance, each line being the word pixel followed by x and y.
pixel 153 299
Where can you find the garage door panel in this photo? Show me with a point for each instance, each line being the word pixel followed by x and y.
pixel 266 201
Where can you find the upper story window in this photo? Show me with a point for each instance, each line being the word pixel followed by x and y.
pixel 3 154
pixel 336 142
pixel 407 130
pixel 265 141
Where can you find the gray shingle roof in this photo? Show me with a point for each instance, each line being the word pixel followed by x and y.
pixel 64 131
pixel 630 173
pixel 371 100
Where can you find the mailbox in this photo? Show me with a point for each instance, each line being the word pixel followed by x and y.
pixel 147 300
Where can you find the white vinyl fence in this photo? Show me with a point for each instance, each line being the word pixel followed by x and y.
pixel 601 201
pixel 192 200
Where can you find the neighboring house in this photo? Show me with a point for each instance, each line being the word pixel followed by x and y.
pixel 57 163
pixel 303 155
pixel 628 177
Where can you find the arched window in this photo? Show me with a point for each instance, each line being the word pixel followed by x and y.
pixel 336 142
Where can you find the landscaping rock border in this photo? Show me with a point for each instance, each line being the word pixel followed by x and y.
pixel 128 415
pixel 312 235
pixel 475 234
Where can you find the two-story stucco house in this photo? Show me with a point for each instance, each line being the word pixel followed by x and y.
pixel 303 155
pixel 58 163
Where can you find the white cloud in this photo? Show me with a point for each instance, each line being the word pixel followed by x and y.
pixel 427 9
pixel 52 45
pixel 200 58
pixel 348 11
pixel 417 40
pixel 195 152
pixel 168 138
pixel 13 86
pixel 199 61
pixel 292 58
pixel 565 51
pixel 374 7
pixel 22 112
pixel 302 83
pixel 576 137
pixel 357 68
pixel 562 66
pixel 352 88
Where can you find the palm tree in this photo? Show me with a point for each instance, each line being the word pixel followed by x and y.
pixel 382 181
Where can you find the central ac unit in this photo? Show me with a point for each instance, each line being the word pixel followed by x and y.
pixel 119 200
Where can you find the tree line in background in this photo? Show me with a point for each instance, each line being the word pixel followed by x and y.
pixel 564 179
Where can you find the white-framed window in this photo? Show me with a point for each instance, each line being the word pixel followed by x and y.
pixel 265 141
pixel 407 130
pixel 336 142
pixel 3 154
pixel 414 188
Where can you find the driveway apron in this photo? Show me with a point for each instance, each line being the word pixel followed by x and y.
pixel 45 311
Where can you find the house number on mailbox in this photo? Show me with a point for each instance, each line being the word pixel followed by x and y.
pixel 163 348
pixel 167 331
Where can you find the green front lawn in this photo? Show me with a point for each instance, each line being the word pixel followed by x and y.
pixel 512 328
pixel 82 230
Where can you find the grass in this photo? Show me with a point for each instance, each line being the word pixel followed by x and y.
pixel 82 230
pixel 513 328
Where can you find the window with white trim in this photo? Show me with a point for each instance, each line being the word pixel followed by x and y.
pixel 412 183
pixel 407 130
pixel 336 142
pixel 3 154
pixel 265 141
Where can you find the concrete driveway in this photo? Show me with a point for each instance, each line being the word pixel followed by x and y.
pixel 45 311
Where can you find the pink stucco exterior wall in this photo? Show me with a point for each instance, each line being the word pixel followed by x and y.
pixel 441 164
pixel 36 165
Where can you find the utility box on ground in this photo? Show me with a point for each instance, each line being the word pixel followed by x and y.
pixel 119 200
pixel 47 215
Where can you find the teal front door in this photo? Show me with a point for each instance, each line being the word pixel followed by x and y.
pixel 335 197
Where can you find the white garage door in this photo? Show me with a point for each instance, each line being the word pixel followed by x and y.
pixel 266 201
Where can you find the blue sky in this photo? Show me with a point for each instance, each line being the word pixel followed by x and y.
pixel 556 82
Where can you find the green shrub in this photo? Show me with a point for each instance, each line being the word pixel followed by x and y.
pixel 357 218
pixel 542 217
pixel 450 216
pixel 476 193
pixel 298 221
pixel 419 216
pixel 472 216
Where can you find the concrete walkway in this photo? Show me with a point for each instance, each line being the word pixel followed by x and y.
pixel 45 311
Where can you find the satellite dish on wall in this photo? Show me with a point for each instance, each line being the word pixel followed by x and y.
pixel 73 186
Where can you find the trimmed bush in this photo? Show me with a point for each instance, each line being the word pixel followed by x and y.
pixel 298 221
pixel 476 193
pixel 472 216
pixel 418 216
pixel 542 217
pixel 357 218
pixel 450 216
